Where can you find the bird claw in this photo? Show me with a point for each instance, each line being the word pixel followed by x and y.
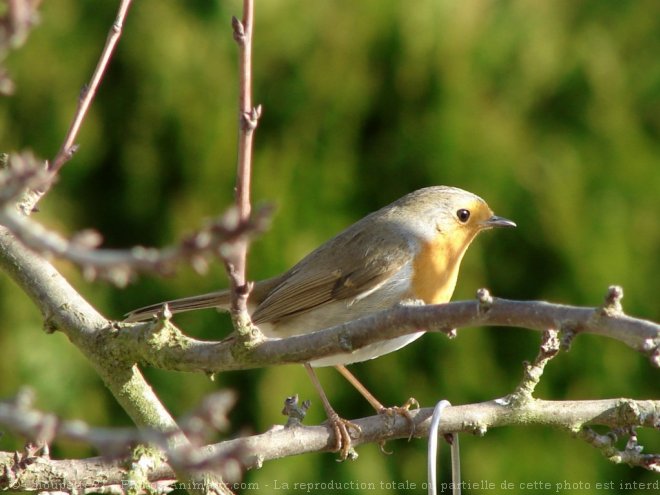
pixel 381 445
pixel 404 411
pixel 343 444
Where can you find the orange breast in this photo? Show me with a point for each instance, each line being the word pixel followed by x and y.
pixel 435 269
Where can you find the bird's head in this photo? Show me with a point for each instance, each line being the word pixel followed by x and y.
pixel 448 212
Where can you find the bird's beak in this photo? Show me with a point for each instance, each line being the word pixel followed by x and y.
pixel 496 221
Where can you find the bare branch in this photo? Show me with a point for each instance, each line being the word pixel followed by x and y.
pixel 20 416
pixel 121 265
pixel 248 119
pixel 621 415
pixel 24 472
pixel 632 453
pixel 175 351
pixel 66 310
pixel 68 148
pixel 533 371
pixel 476 419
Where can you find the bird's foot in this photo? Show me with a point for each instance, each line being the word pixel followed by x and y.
pixel 404 410
pixel 343 442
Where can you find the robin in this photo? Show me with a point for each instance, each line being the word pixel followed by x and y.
pixel 408 251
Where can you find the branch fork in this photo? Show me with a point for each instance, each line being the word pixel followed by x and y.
pixel 549 348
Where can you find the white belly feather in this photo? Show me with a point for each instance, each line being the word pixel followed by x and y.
pixel 388 295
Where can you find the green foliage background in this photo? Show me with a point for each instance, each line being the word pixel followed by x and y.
pixel 549 110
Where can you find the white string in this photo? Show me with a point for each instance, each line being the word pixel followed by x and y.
pixel 433 453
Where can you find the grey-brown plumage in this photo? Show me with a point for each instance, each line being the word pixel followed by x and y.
pixel 410 249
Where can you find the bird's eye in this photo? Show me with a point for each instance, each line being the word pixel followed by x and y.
pixel 463 215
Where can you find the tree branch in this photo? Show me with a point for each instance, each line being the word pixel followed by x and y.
pixel 68 148
pixel 23 174
pixel 120 266
pixel 248 119
pixel 35 473
pixel 476 419
pixel 161 344
pixel 64 309
pixel 24 471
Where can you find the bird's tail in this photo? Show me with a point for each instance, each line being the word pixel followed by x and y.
pixel 219 299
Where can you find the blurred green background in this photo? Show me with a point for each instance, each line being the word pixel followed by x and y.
pixel 549 110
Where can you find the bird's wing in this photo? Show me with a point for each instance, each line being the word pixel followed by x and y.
pixel 336 271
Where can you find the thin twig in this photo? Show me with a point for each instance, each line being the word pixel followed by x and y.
pixel 632 454
pixel 120 266
pixel 68 148
pixel 248 118
pixel 533 371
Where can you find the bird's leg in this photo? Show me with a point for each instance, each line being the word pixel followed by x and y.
pixel 403 410
pixel 340 426
pixel 375 403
